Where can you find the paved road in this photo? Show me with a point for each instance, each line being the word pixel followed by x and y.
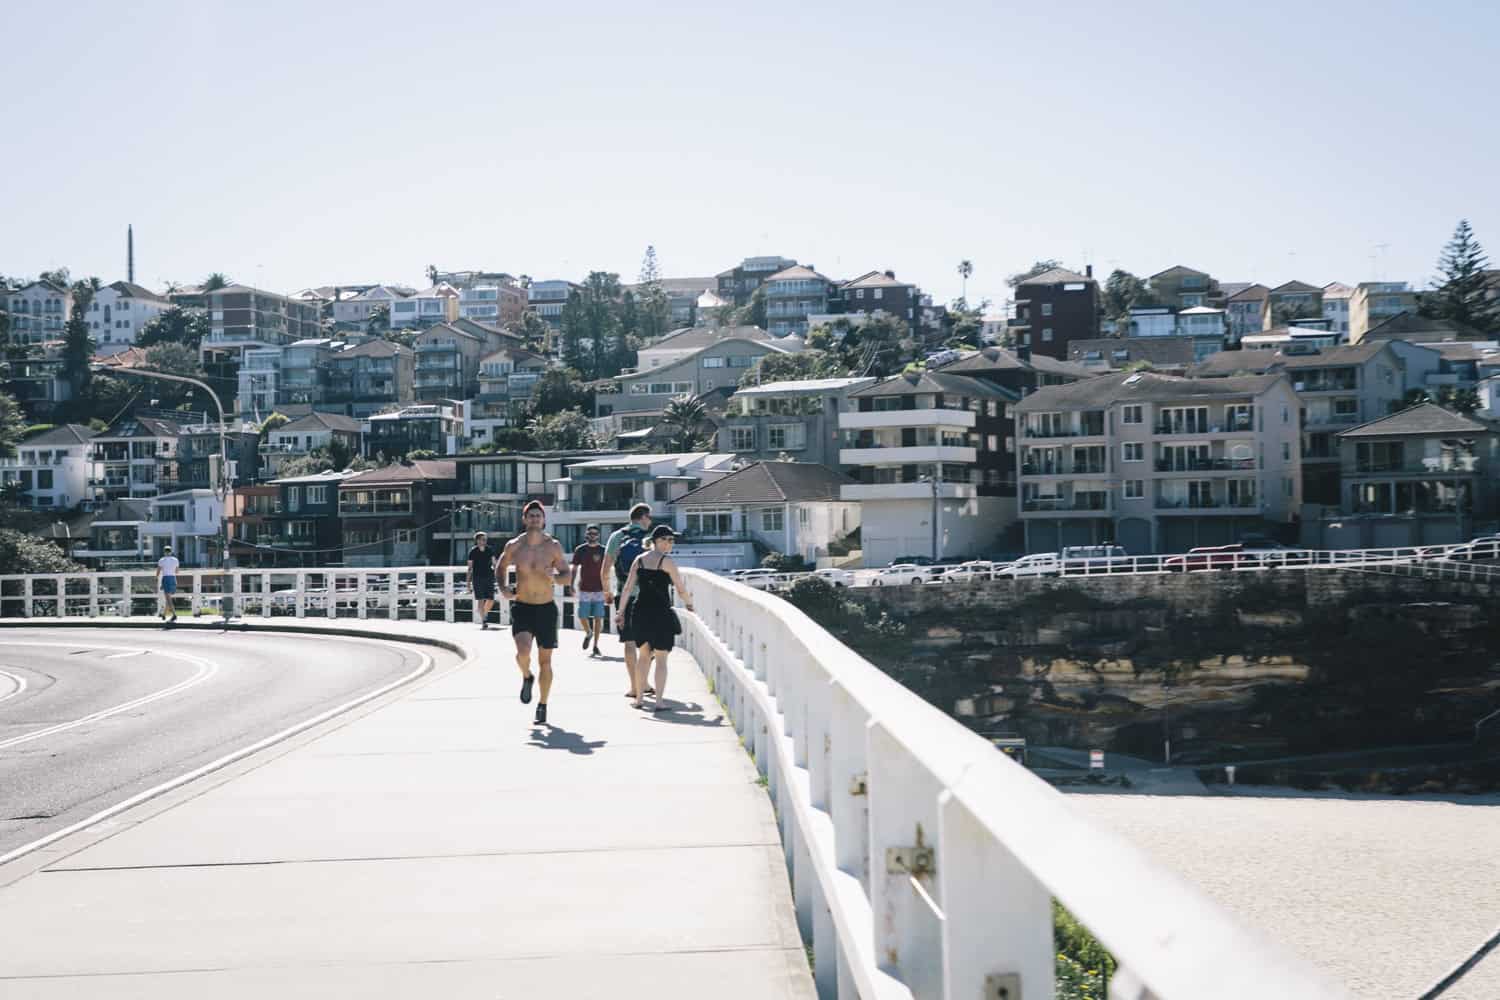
pixel 1386 894
pixel 89 717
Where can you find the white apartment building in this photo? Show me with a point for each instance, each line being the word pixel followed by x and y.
pixel 191 521
pixel 357 310
pixel 1336 298
pixel 119 311
pixel 51 469
pixel 438 304
pixel 928 455
pixel 259 381
pixel 1158 463
pixel 547 299
pixel 38 312
pixel 602 491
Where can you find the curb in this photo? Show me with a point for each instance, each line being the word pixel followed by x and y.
pixel 358 633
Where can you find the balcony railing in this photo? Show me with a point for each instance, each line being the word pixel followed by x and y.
pixel 374 508
pixel 1085 430
pixel 1221 427
pixel 1062 503
pixel 1205 465
pixel 1211 503
pixel 1064 469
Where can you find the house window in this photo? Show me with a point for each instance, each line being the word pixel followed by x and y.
pixel 661 388
pixel 786 436
pixel 640 389
pixel 406 537
pixel 317 494
pixel 1286 452
pixel 1046 333
pixel 742 439
pixel 802 516
pixel 299 529
pixel 713 362
pixel 1134 451
pixel 294 498
pixel 1135 489
pixel 741 362
pixel 1132 414
pixel 877 292
pixel 1046 309
pixel 770 520
pixel 1346 407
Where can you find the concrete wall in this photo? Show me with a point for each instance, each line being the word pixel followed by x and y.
pixel 968 527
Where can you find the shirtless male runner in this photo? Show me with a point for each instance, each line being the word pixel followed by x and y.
pixel 540 565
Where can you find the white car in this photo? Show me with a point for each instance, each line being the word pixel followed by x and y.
pixel 901 574
pixel 760 579
pixel 837 577
pixel 968 572
pixel 1038 564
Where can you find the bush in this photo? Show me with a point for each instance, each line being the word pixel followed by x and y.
pixel 23 553
pixel 782 563
pixel 1088 965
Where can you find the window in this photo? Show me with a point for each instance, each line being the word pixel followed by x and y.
pixel 1132 414
pixel 299 529
pixel 406 536
pixel 741 362
pixel 640 389
pixel 802 516
pixel 1046 309
pixel 1135 489
pixel 1046 333
pixel 294 498
pixel 877 292
pixel 1134 451
pixel 786 436
pixel 661 388
pixel 770 520
pixel 992 442
pixel 1286 452
pixel 317 494
pixel 742 439
pixel 1346 407
pixel 713 362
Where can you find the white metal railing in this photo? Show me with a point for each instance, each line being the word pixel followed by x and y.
pixel 415 593
pixel 923 860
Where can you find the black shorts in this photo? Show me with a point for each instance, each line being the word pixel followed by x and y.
pixel 538 619
pixel 483 588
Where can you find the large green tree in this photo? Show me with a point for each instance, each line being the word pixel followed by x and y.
pixel 78 350
pixel 21 552
pixel 965 271
pixel 688 419
pixel 591 324
pixel 808 364
pixel 559 389
pixel 655 310
pixel 534 330
pixel 176 325
pixel 1122 290
pixel 216 281
pixel 565 431
pixel 12 425
pixel 1462 284
pixel 176 359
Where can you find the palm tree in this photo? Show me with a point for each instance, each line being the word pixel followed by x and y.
pixel 173 287
pixel 965 269
pixel 686 415
pixel 216 281
pixel 432 273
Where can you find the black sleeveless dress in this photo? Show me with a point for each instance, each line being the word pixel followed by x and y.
pixel 654 623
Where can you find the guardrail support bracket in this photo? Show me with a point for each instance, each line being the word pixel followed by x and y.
pixel 916 860
pixel 859 785
pixel 1002 986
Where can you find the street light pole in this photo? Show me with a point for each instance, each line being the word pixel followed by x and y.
pixel 221 489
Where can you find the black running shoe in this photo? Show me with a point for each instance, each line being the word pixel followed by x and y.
pixel 586 637
pixel 541 714
pixel 526 690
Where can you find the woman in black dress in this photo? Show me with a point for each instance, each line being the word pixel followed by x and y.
pixel 653 622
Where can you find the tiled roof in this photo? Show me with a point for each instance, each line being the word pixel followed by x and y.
pixel 769 482
pixel 1177 269
pixel 1424 418
pixel 795 272
pixel 812 385
pixel 318 420
pixel 64 434
pixel 373 349
pixel 1229 362
pixel 134 291
pixel 418 470
pixel 908 383
pixel 1106 390
pixel 1296 286
pixel 1250 293
pixel 997 359
pixel 1056 276
pixel 1175 351
pixel 876 279
pixel 694 337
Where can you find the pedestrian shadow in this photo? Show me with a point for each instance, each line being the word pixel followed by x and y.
pixel 549 737
pixel 686 713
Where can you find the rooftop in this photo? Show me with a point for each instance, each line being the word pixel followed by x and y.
pixel 1424 418
pixel 1410 326
pixel 908 383
pixel 811 386
pixel 994 359
pixel 63 434
pixel 1118 351
pixel 1055 276
pixel 769 482
pixel 1229 362
pixel 1106 390
pixel 796 272
pixel 133 291
pixel 418 470
pixel 318 420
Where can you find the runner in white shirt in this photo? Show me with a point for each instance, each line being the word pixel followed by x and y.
pixel 166 581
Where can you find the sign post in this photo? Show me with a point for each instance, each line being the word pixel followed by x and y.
pixel 1096 760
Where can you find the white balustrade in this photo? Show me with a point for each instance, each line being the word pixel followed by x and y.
pixel 923 860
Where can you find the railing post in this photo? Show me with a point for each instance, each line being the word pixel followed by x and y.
pixel 93 595
pixel 849 803
pixel 300 599
pixel 26 591
pixel 448 601
pixel 905 898
pixel 997 917
pixel 393 599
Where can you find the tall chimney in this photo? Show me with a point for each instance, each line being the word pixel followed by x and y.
pixel 130 253
pixel 1088 270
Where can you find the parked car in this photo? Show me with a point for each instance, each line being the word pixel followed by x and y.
pixel 1096 559
pixel 837 577
pixel 968 572
pixel 913 560
pixel 1036 564
pixel 900 574
pixel 760 579
pixel 1268 552
pixel 1483 548
pixel 1207 557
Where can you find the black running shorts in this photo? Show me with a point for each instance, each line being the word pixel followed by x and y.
pixel 483 587
pixel 538 619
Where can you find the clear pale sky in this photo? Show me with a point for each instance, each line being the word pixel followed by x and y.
pixel 297 144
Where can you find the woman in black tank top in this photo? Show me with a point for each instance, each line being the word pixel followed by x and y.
pixel 654 623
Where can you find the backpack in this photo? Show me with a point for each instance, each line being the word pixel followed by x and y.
pixel 630 547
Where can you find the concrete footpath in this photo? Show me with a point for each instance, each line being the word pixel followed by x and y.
pixel 438 844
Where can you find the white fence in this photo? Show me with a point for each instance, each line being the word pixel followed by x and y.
pixel 419 593
pixel 923 860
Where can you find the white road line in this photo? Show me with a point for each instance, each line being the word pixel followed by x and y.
pixel 206 669
pixel 19 682
pixel 224 761
pixel 121 656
